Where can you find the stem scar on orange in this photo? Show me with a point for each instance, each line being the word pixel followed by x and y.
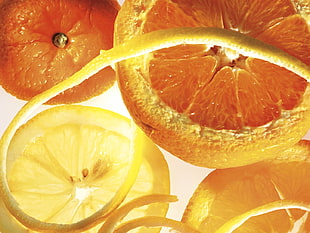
pixel 43 42
pixel 211 105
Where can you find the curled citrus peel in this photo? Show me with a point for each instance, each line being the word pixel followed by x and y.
pixel 110 224
pixel 155 221
pixel 138 46
pixel 237 221
pixel 228 227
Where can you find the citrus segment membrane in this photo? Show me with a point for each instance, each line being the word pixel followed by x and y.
pixel 70 165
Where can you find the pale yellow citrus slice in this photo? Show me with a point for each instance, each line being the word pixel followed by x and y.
pixel 269 196
pixel 71 165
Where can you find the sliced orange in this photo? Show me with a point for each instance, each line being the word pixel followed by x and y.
pixel 44 42
pixel 69 167
pixel 209 104
pixel 227 193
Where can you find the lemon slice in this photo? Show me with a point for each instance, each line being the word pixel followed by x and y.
pixel 69 166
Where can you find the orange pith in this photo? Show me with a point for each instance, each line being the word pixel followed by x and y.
pixel 30 60
pixel 186 77
pixel 229 192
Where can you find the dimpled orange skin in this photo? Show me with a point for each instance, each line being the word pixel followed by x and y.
pixel 31 62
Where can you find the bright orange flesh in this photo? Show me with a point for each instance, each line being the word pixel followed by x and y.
pixel 230 192
pixel 215 90
pixel 31 63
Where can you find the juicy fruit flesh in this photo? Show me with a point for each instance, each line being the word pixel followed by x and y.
pixel 71 166
pixel 84 176
pixel 186 77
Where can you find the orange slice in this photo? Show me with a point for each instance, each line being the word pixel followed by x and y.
pixel 226 194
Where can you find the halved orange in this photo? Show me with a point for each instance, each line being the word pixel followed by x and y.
pixel 209 104
pixel 227 193
pixel 44 42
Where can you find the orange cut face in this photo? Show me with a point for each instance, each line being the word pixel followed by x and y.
pixel 219 88
pixel 33 59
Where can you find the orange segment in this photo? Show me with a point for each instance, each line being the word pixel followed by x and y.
pixel 252 17
pixel 222 103
pixel 173 81
pixel 285 88
pixel 257 106
pixel 291 35
pixel 168 14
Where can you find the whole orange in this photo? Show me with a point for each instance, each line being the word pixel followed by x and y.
pixel 43 42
